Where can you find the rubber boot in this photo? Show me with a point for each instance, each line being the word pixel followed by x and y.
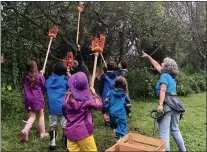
pixel 24 133
pixel 53 135
pixel 64 140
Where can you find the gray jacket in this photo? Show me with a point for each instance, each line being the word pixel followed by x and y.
pixel 174 103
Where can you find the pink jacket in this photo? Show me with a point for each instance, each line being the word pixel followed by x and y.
pixel 79 118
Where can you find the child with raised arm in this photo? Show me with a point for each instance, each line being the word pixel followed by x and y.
pixel 117 103
pixel 77 109
pixel 106 83
pixel 34 83
pixel 57 87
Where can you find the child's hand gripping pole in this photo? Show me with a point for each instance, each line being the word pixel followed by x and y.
pixel 52 34
pixel 97 47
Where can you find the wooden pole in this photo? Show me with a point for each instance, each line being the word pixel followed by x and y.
pixel 103 60
pixel 78 27
pixel 94 69
pixel 48 50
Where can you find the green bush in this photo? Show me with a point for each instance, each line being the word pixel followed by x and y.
pixel 187 83
pixel 183 84
pixel 141 83
pixel 11 101
pixel 200 81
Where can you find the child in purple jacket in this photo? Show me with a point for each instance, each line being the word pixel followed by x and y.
pixel 34 83
pixel 77 110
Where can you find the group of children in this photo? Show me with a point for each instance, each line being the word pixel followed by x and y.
pixel 70 99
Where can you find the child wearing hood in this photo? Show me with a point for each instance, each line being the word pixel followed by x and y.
pixel 34 84
pixel 106 83
pixel 117 103
pixel 57 87
pixel 77 109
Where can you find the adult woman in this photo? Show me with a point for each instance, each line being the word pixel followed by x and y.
pixel 167 85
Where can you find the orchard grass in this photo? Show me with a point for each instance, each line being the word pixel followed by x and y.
pixel 192 126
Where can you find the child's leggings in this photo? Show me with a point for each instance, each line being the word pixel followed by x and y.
pixel 87 144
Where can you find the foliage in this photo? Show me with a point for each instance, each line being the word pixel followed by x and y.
pixel 11 101
pixel 141 83
pixel 187 84
pixel 174 29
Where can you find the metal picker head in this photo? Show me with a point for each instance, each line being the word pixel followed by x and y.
pixel 53 32
pixel 68 60
pixel 98 43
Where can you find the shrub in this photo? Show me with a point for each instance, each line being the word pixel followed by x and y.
pixel 11 101
pixel 141 83
pixel 183 84
pixel 187 84
pixel 199 80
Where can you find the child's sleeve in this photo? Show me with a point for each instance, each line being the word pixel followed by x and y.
pixel 42 82
pixel 79 58
pixel 107 103
pixel 64 106
pixel 101 84
pixel 96 103
pixel 66 78
pixel 127 105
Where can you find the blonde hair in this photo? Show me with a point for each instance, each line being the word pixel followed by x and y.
pixel 170 66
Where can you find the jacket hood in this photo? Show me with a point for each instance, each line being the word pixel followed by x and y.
pixel 111 74
pixel 118 92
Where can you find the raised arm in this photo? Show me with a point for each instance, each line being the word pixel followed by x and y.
pixel 80 57
pixel 96 103
pixel 156 65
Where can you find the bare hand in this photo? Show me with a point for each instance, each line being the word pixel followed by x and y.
pixel 160 108
pixel 78 46
pixel 145 55
pixel 42 71
pixel 129 115
pixel 92 90
pixel 68 72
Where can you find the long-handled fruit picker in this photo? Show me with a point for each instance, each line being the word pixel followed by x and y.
pixel 52 34
pixel 97 47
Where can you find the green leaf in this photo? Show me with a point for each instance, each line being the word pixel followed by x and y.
pixel 9 87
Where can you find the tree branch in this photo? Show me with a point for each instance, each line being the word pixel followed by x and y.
pixel 23 15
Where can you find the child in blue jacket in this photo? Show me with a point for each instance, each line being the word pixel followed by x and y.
pixel 106 83
pixel 57 87
pixel 117 103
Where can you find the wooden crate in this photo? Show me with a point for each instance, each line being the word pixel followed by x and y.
pixel 137 142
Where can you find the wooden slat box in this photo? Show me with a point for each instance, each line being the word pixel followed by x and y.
pixel 137 142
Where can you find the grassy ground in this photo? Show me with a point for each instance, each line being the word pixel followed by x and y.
pixel 192 126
